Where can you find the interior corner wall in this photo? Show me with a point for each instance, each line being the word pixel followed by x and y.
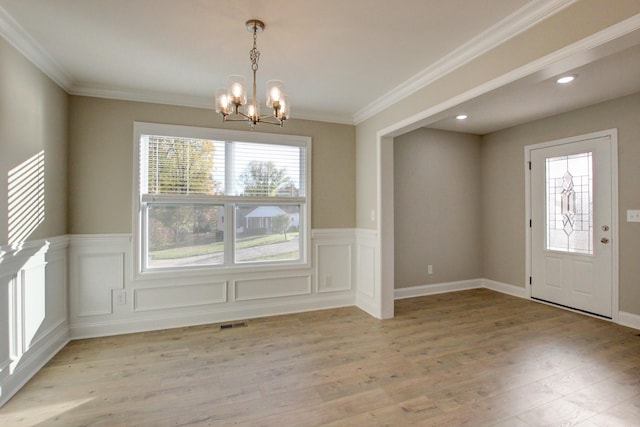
pixel 436 207
pixel 33 220
pixel 503 181
pixel 33 151
pixel 101 176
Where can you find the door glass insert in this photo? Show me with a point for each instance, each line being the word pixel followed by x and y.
pixel 569 200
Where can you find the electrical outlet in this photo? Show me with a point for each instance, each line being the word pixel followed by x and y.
pixel 633 215
pixel 430 269
pixel 121 297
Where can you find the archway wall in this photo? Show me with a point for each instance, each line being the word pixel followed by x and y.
pixel 570 25
pixel 528 51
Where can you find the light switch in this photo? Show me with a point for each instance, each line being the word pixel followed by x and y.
pixel 633 215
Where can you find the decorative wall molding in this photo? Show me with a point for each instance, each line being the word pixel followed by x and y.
pixel 31 362
pixel 204 315
pixel 507 28
pixel 33 309
pixel 274 286
pixel 26 45
pixel 366 267
pixel 35 324
pixel 333 247
pixel 107 298
pixel 169 297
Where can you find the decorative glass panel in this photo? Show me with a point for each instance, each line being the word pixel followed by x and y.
pixel 569 213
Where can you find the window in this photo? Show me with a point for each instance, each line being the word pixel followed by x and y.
pixel 209 198
pixel 569 213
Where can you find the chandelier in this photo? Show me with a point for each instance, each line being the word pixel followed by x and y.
pixel 232 103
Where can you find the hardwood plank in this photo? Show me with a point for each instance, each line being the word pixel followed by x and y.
pixel 465 358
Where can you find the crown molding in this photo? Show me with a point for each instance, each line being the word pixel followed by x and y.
pixel 149 96
pixel 420 119
pixel 181 100
pixel 316 116
pixel 507 28
pixel 13 33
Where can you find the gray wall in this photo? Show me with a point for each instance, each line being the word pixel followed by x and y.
pixel 503 209
pixel 101 157
pixel 33 121
pixel 436 207
pixel 459 200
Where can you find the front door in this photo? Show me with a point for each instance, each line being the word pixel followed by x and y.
pixel 571 223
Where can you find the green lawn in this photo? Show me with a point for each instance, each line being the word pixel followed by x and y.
pixel 218 247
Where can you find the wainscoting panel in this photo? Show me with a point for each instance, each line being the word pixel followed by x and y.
pixel 366 268
pixel 335 274
pixel 107 298
pixel 33 300
pixel 98 274
pixel 33 309
pixel 97 266
pixel 273 287
pixel 179 296
pixel 333 259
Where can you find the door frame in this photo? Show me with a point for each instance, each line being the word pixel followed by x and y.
pixel 613 138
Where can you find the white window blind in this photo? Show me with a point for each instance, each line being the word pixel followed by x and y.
pixel 209 198
pixel 188 166
pixel 180 166
pixel 267 170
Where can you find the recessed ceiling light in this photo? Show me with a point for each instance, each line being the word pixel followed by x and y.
pixel 565 79
pixel 461 116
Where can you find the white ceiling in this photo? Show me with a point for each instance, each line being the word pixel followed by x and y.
pixel 609 71
pixel 341 60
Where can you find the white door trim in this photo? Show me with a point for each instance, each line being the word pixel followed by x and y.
pixel 613 135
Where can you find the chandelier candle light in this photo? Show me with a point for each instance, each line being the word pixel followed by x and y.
pixel 230 99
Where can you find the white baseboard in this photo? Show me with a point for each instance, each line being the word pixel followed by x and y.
pixel 438 288
pixel 504 288
pixel 368 305
pixel 34 360
pixel 629 319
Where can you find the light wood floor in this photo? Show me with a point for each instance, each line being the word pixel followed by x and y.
pixel 465 358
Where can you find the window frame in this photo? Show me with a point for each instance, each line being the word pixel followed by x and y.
pixel 140 231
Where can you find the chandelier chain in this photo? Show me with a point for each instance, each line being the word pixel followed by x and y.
pixel 254 54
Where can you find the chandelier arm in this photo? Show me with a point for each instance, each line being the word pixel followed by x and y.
pixel 245 118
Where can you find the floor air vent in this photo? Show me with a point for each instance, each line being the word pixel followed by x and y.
pixel 233 325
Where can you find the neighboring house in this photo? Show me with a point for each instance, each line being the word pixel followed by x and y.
pixel 262 216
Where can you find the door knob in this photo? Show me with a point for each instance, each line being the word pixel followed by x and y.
pixel 604 240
